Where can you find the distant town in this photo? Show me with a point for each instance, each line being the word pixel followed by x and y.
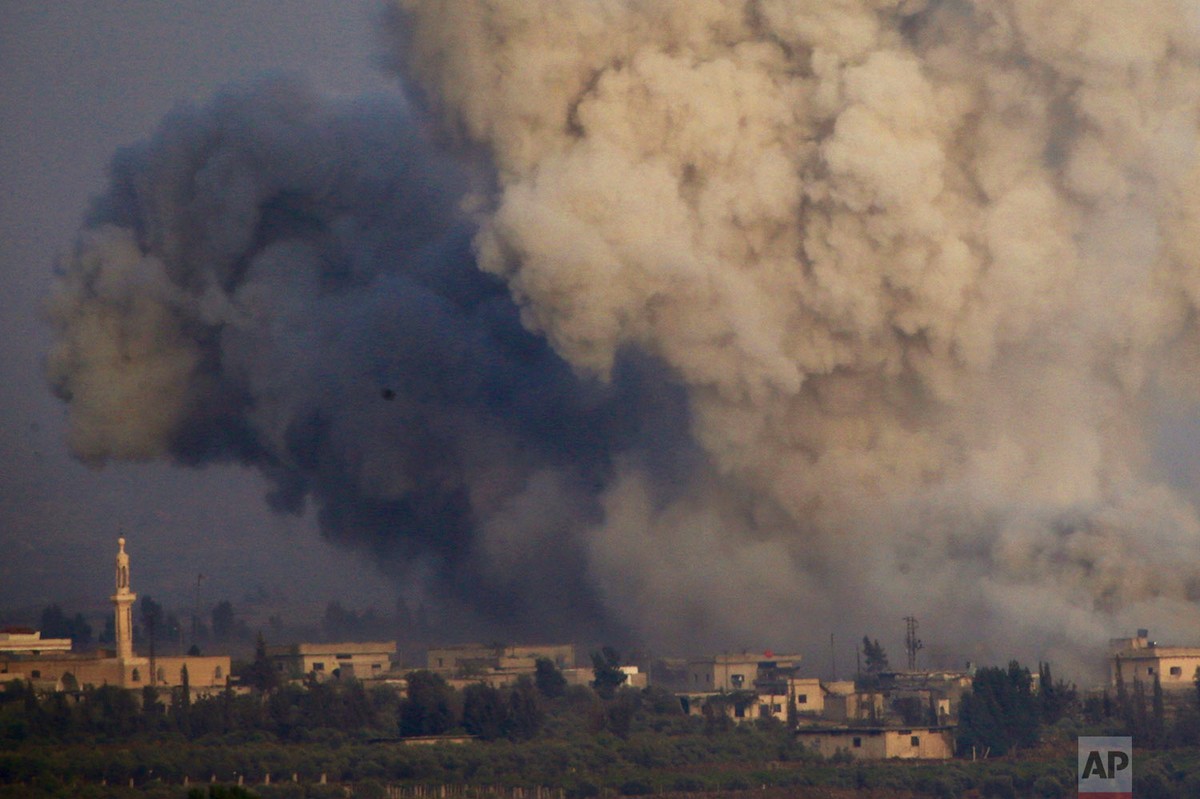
pixel 882 713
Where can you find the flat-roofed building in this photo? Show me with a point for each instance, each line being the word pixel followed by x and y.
pixel 880 743
pixel 26 641
pixel 1139 659
pixel 478 659
pixel 361 660
pixel 741 672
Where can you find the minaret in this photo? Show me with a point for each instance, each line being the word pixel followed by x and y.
pixel 123 605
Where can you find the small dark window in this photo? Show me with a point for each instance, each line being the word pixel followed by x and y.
pixel 37 673
pixel 858 743
pixel 915 740
pixel 737 680
pixel 136 676
pixel 1150 670
pixel 318 667
pixel 739 712
pixel 1176 671
pixel 801 699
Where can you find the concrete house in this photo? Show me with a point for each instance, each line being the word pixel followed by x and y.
pixel 881 743
pixel 1140 659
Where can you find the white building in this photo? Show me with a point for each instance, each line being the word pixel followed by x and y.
pixel 24 641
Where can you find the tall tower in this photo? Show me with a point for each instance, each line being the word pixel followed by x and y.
pixel 123 601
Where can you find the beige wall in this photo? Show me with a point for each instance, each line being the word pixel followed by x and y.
pixel 203 672
pixel 360 660
pixel 520 658
pixel 731 672
pixel 1175 670
pixel 882 744
pixel 807 694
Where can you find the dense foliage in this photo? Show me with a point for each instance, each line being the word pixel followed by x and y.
pixel 281 740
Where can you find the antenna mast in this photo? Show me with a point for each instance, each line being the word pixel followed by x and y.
pixel 912 644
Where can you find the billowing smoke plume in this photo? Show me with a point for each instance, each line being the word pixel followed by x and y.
pixel 833 312
pixel 287 282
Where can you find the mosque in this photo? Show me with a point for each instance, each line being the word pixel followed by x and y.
pixel 24 655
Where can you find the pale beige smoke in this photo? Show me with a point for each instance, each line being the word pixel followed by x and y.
pixel 121 351
pixel 927 269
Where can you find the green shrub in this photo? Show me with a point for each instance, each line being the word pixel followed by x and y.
pixel 1048 787
pixel 999 786
pixel 637 786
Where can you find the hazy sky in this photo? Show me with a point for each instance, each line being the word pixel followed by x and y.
pixel 80 79
pixel 851 307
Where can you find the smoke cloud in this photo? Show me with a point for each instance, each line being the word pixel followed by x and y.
pixel 720 323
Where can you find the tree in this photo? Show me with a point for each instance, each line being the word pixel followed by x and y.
pixel 999 712
pixel 1124 706
pixel 173 630
pixel 181 707
pixel 262 674
pixel 152 709
pixel 1055 698
pixel 151 613
pixel 606 668
pixel 222 621
pixel 549 680
pixel 876 657
pixel 876 663
pixel 485 713
pixel 525 716
pixel 56 624
pixel 1158 724
pixel 428 709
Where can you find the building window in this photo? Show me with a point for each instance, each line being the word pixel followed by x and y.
pixel 37 674
pixel 1150 670
pixel 136 676
pixel 737 680
pixel 318 667
pixel 739 712
pixel 439 663
pixel 858 743
pixel 1176 671
pixel 915 740
pixel 801 699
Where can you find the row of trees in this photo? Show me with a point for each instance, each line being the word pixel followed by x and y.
pixel 154 625
pixel 291 711
pixel 1004 712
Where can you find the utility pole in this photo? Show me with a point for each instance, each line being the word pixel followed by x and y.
pixel 196 611
pixel 832 659
pixel 912 644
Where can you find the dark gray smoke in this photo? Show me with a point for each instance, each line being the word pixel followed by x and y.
pixel 287 282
